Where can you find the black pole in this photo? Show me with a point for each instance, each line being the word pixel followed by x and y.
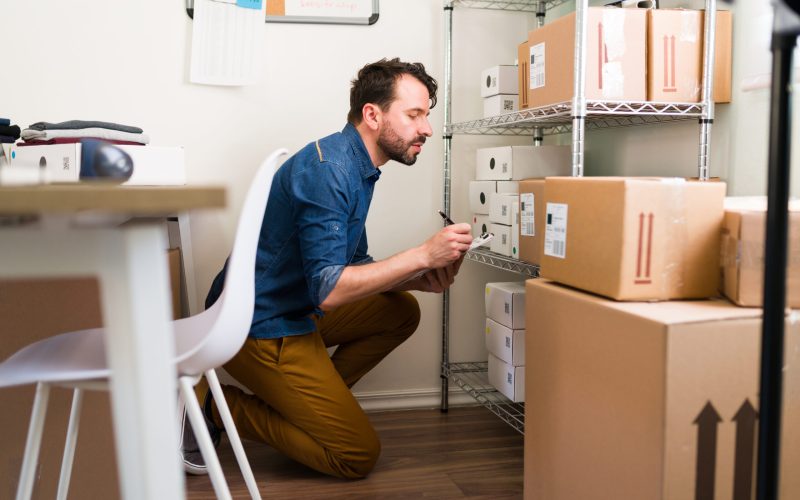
pixel 772 335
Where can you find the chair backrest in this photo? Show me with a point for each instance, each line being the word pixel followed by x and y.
pixel 211 338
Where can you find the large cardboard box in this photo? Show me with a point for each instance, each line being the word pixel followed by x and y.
pixel 648 401
pixel 152 165
pixel 522 162
pixel 675 55
pixel 633 238
pixel 742 252
pixel 523 73
pixel 615 57
pixel 531 220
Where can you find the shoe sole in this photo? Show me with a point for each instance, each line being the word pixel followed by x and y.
pixel 188 466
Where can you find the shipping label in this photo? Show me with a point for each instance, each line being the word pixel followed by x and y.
pixel 537 66
pixel 555 233
pixel 527 216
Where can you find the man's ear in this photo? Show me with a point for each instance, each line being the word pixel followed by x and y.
pixel 372 116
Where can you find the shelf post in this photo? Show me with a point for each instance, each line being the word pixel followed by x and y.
pixel 541 10
pixel 579 88
pixel 707 96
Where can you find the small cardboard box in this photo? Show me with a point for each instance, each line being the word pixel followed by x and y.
pixel 499 80
pixel 506 344
pixel 523 73
pixel 531 220
pixel 522 162
pixel 480 193
pixel 152 165
pixel 505 303
pixel 480 224
pixel 501 243
pixel 508 187
pixel 675 55
pixel 633 238
pixel 742 252
pixel 508 379
pixel 501 208
pixel 615 57
pixel 500 104
pixel 648 401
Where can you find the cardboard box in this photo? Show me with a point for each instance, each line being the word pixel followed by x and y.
pixel 508 379
pixel 501 208
pixel 742 252
pixel 633 238
pixel 501 243
pixel 480 224
pixel 480 193
pixel 675 55
pixel 152 165
pixel 499 80
pixel 615 70
pixel 500 104
pixel 506 344
pixel 522 162
pixel 523 73
pixel 505 303
pixel 635 400
pixel 531 220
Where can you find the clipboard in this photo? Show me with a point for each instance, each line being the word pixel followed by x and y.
pixel 362 12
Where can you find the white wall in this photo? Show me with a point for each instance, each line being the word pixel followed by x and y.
pixel 128 62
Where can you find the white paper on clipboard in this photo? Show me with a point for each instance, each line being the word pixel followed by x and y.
pixel 226 43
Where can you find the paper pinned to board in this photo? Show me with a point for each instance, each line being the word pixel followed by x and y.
pixel 227 38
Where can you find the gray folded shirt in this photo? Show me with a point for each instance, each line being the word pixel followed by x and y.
pixel 76 124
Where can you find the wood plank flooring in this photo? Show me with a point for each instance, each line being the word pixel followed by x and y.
pixel 465 453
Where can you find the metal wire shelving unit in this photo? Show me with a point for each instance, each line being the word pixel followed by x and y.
pixel 574 117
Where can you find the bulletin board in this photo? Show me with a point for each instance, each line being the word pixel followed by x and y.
pixel 323 11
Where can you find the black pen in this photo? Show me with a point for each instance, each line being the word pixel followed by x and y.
pixel 446 218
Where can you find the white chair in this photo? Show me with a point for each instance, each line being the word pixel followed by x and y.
pixel 202 342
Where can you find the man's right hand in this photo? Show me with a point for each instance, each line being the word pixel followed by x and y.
pixel 447 246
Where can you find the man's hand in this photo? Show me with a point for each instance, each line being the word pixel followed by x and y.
pixel 439 280
pixel 447 246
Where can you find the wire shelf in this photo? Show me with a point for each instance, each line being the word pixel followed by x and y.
pixel 557 118
pixel 473 379
pixel 493 259
pixel 511 5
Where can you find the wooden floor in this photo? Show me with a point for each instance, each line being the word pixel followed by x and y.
pixel 465 453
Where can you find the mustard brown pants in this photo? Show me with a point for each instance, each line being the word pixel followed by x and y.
pixel 301 403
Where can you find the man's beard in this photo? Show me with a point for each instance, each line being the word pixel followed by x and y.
pixel 395 148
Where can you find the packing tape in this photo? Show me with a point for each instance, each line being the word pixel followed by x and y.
pixel 677 235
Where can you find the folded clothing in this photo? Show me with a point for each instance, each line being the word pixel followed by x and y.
pixel 5 139
pixel 10 131
pixel 5 122
pixel 97 133
pixel 73 140
pixel 78 124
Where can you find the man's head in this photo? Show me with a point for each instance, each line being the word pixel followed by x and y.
pixel 390 100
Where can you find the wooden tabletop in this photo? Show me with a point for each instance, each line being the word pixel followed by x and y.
pixel 113 198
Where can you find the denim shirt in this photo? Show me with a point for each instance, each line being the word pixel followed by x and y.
pixel 313 227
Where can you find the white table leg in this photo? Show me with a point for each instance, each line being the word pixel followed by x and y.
pixel 136 308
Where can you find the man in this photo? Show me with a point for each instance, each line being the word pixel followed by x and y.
pixel 317 286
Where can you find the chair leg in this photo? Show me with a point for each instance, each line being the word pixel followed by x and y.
pixel 203 439
pixel 69 446
pixel 233 435
pixel 33 442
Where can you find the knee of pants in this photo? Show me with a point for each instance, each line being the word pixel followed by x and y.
pixel 358 462
pixel 407 310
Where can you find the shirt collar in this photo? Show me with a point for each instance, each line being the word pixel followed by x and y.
pixel 365 164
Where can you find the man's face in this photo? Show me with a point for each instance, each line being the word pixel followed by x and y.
pixel 405 124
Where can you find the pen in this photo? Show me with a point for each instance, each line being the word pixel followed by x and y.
pixel 446 218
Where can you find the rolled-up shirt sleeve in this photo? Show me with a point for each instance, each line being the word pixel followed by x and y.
pixel 322 197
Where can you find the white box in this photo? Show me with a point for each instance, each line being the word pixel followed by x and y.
pixel 507 344
pixel 152 165
pixel 505 303
pixel 509 380
pixel 501 208
pixel 480 224
pixel 479 194
pixel 501 243
pixel 500 104
pixel 515 230
pixel 499 80
pixel 508 187
pixel 522 162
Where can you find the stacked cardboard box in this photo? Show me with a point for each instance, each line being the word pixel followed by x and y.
pixel 500 90
pixel 505 338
